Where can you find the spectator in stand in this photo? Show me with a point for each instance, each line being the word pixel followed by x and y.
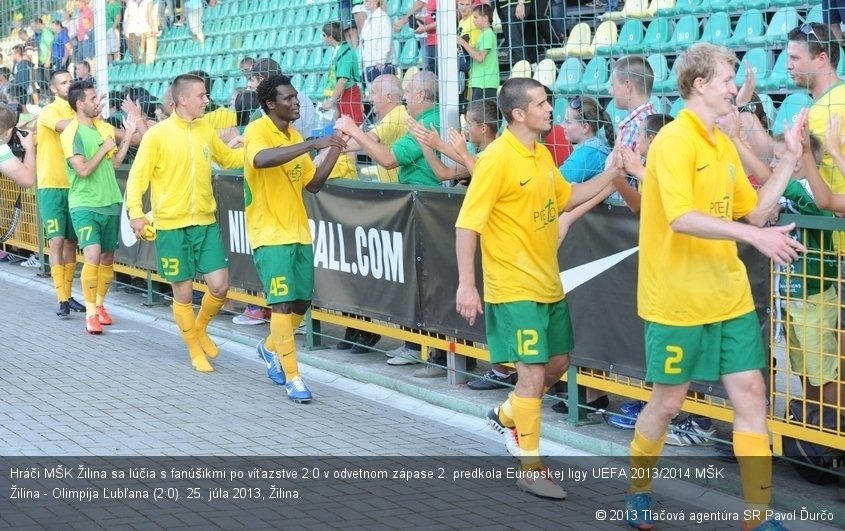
pixel 193 14
pixel 136 27
pixel 245 66
pixel 83 72
pixel 62 49
pixel 833 14
pixel 376 42
pixel 5 85
pixel 515 16
pixel 425 27
pixel 21 75
pixel 484 72
pixel 405 154
pixel 246 103
pixel 114 16
pixel 341 88
pixel 589 128
pixel 85 29
pixel 44 40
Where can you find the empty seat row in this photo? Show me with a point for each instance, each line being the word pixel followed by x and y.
pixel 750 30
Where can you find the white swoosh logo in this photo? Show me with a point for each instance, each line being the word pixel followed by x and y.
pixel 574 277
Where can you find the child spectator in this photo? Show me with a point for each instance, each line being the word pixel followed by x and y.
pixel 484 71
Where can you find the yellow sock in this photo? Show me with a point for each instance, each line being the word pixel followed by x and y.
pixel 70 271
pixel 526 416
pixel 183 314
pixel 58 275
pixel 89 280
pixel 209 307
pixel 755 466
pixel 104 281
pixel 296 320
pixel 644 456
pixel 281 335
pixel 506 412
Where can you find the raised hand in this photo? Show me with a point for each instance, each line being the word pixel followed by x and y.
pixel 777 244
pixel 834 134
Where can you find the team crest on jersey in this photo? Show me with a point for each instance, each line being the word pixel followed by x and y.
pixel 295 173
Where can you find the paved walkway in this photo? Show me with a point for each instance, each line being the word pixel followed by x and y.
pixel 127 406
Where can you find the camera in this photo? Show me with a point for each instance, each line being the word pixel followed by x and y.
pixel 15 143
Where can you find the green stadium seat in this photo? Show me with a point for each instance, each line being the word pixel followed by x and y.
pixel 711 6
pixel 717 29
pixel 313 85
pixel 686 33
pixel 561 104
pixel 814 15
pixel 779 77
pixel 658 31
pixel 287 63
pixel 759 61
pixel 681 7
pixel 789 109
pixel 569 77
pixel 631 34
pixel 670 84
pixel 409 56
pixel 659 66
pixel 782 3
pixel 658 103
pixel 677 105
pixel 768 105
pixel 616 115
pixel 736 5
pixel 301 62
pixel 327 56
pixel 596 77
pixel 315 60
pixel 750 26
pixel 218 92
pixel 298 81
pixel 782 22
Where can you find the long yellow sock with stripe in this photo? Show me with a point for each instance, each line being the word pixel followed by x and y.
pixel 57 273
pixel 755 466
pixel 644 456
pixel 296 320
pixel 209 307
pixel 526 416
pixel 89 280
pixel 104 281
pixel 281 335
pixel 183 314
pixel 70 272
pixel 506 412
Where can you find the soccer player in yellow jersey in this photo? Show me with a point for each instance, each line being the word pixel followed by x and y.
pixel 693 291
pixel 53 188
pixel 276 170
pixel 174 160
pixel 513 203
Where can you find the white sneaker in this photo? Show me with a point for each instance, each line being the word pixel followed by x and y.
pixel 32 261
pixel 404 356
pixel 688 432
pixel 301 330
pixel 539 483
pixel 512 442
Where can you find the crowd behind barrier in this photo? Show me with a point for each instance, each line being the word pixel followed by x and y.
pixel 417 294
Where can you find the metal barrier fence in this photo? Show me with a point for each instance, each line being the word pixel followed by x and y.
pixel 804 318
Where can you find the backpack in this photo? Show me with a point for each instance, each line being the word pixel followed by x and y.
pixel 804 453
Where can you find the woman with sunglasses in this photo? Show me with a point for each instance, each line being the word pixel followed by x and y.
pixel 589 129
